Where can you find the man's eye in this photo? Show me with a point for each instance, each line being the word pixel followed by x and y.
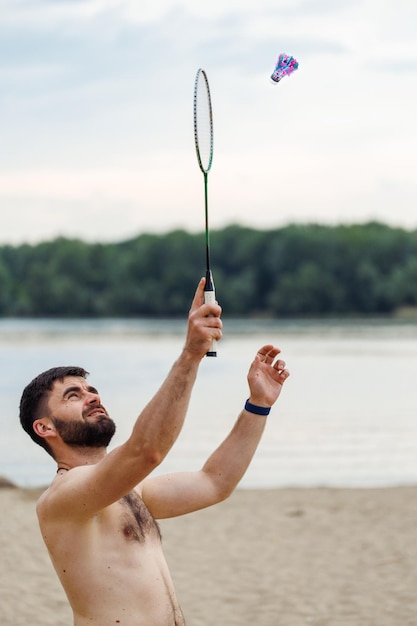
pixel 73 394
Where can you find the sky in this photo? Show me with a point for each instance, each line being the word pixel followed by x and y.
pixel 96 115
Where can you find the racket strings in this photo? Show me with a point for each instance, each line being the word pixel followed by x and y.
pixel 203 123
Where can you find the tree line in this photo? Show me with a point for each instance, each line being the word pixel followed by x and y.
pixel 296 270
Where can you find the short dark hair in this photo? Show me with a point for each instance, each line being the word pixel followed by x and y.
pixel 36 392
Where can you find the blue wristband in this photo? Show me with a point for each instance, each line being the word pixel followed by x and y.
pixel 258 410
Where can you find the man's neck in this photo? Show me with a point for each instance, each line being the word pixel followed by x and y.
pixel 74 457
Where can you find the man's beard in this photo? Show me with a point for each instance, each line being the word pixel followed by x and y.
pixel 86 434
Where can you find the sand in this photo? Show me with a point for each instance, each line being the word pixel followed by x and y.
pixel 285 557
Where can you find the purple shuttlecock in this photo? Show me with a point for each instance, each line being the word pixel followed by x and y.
pixel 285 66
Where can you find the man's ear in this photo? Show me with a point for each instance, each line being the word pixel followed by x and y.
pixel 44 428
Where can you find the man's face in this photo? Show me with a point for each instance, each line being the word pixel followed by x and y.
pixel 78 415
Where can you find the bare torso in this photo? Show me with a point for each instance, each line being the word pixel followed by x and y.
pixel 112 566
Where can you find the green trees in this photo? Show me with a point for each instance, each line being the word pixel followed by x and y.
pixel 297 270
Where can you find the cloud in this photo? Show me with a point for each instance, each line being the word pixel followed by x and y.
pixel 96 112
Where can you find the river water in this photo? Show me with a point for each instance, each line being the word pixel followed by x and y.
pixel 347 416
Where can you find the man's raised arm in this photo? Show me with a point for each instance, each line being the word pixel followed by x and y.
pixel 183 492
pixel 93 487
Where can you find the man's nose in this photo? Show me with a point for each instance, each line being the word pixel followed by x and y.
pixel 93 398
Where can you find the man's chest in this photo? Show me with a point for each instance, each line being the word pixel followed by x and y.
pixel 133 519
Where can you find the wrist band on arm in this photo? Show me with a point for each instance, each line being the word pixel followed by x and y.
pixel 258 410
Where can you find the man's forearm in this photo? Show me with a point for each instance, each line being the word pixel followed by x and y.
pixel 230 460
pixel 160 422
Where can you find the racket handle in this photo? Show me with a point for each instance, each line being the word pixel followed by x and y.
pixel 210 296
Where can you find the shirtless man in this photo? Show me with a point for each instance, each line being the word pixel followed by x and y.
pixel 97 518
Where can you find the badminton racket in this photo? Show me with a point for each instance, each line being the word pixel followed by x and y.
pixel 203 136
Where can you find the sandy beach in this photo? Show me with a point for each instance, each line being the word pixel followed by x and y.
pixel 285 557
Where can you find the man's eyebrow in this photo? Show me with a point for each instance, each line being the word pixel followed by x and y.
pixel 71 388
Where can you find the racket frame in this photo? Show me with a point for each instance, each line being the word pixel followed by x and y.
pixel 209 291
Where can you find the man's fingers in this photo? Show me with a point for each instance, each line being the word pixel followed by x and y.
pixel 268 353
pixel 198 299
pixel 204 323
pixel 279 365
pixel 283 374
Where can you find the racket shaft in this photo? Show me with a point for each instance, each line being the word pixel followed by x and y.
pixel 210 296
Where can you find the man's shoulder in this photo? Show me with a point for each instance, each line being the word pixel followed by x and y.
pixel 41 500
pixel 59 491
